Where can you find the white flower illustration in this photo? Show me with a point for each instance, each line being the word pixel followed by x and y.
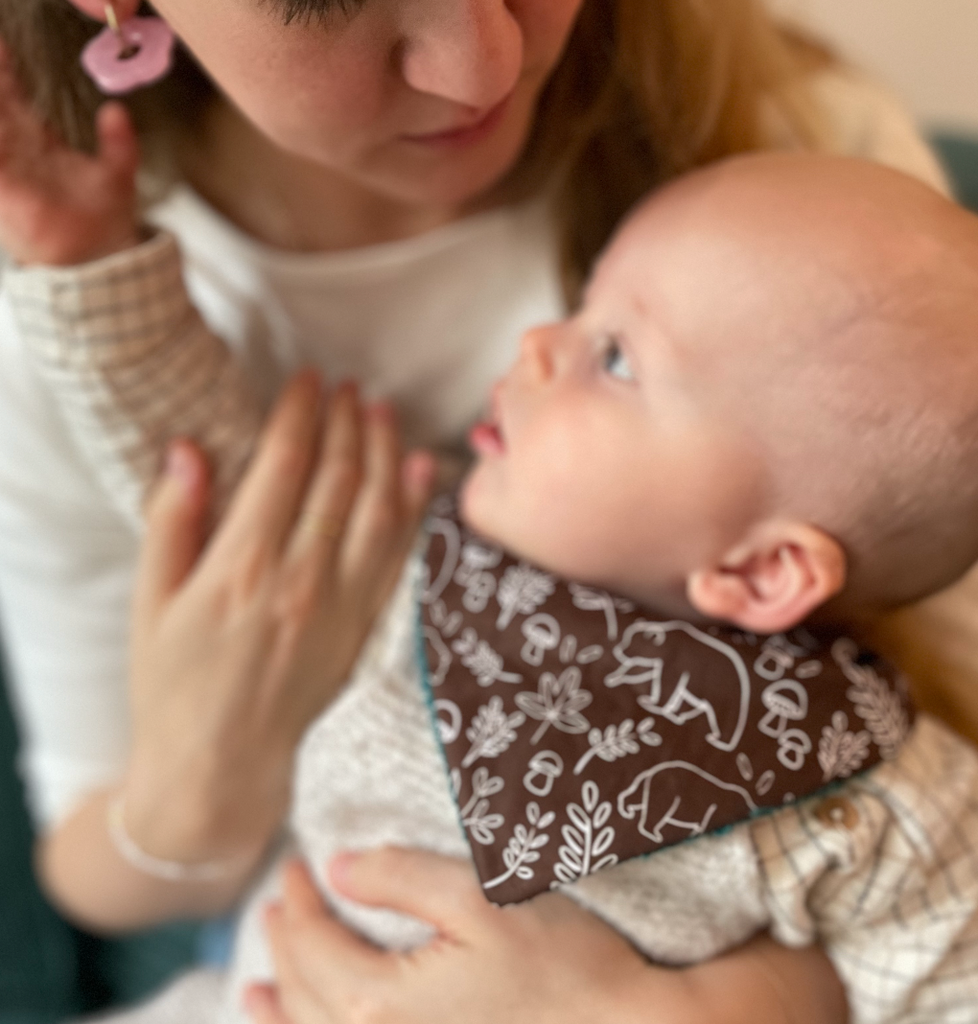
pixel 492 731
pixel 587 839
pixel 558 703
pixel 521 592
pixel 841 752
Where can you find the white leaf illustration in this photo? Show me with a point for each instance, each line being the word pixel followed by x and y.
pixel 482 661
pixel 523 846
pixel 614 743
pixel 841 752
pixel 492 731
pixel 557 702
pixel 604 840
pixel 876 704
pixel 521 591
pixel 585 841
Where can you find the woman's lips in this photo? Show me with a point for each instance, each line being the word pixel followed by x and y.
pixel 465 135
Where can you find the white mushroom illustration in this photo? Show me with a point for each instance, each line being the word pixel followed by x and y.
pixel 542 634
pixel 786 701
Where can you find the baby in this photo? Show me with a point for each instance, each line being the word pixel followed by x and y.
pixel 765 412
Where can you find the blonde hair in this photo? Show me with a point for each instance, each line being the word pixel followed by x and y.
pixel 646 90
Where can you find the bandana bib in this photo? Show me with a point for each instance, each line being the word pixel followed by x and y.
pixel 581 730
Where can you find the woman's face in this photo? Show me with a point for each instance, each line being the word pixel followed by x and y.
pixel 426 101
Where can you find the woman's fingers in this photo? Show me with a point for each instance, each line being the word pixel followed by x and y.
pixel 118 146
pixel 440 890
pixel 267 501
pixel 175 522
pixel 333 489
pixel 23 136
pixel 419 473
pixel 388 509
pixel 319 962
pixel 304 910
pixel 261 1003
pixel 377 510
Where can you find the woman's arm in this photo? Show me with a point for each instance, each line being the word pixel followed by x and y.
pixel 545 962
pixel 132 365
pixel 310 549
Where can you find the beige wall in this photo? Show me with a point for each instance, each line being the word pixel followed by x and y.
pixel 927 50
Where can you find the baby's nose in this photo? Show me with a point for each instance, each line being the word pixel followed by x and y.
pixel 536 351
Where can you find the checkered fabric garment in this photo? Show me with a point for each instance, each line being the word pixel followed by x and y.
pixel 885 876
pixel 884 873
pixel 133 366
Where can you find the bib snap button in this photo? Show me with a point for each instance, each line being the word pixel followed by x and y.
pixel 836 812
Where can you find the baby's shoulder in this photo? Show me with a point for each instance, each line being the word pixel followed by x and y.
pixel 901 836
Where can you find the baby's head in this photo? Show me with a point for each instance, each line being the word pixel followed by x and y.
pixel 768 400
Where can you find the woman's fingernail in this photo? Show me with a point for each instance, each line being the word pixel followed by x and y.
pixel 420 468
pixel 256 997
pixel 181 466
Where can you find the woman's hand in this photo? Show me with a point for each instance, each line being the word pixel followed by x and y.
pixel 542 962
pixel 59 206
pixel 236 651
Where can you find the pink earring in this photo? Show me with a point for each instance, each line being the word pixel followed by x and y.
pixel 125 57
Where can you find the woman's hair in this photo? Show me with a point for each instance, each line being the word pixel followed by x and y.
pixel 646 90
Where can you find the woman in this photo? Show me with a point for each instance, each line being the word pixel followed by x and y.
pixel 393 191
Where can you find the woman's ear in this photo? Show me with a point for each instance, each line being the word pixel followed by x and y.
pixel 773 581
pixel 124 9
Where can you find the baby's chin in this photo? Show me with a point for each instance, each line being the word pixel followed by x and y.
pixel 476 504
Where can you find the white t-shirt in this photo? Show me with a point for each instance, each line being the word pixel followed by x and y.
pixel 428 322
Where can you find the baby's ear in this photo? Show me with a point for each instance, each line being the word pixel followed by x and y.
pixel 773 581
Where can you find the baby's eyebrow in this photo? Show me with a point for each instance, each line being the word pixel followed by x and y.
pixel 307 10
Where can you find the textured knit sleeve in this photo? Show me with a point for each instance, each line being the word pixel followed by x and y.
pixel 884 874
pixel 132 365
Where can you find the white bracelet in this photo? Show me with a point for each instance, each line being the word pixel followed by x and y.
pixel 167 870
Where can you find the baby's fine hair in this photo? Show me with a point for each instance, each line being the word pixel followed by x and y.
pixel 863 368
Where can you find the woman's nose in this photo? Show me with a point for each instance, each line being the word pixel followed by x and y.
pixel 466 51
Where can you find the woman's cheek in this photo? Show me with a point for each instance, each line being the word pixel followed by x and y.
pixel 547 25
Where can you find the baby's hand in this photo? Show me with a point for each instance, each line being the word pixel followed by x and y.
pixel 59 206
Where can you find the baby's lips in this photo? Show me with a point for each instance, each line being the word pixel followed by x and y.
pixel 485 439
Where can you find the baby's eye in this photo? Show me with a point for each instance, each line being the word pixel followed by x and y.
pixel 616 362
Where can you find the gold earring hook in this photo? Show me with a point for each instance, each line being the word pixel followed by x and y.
pixel 126 48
